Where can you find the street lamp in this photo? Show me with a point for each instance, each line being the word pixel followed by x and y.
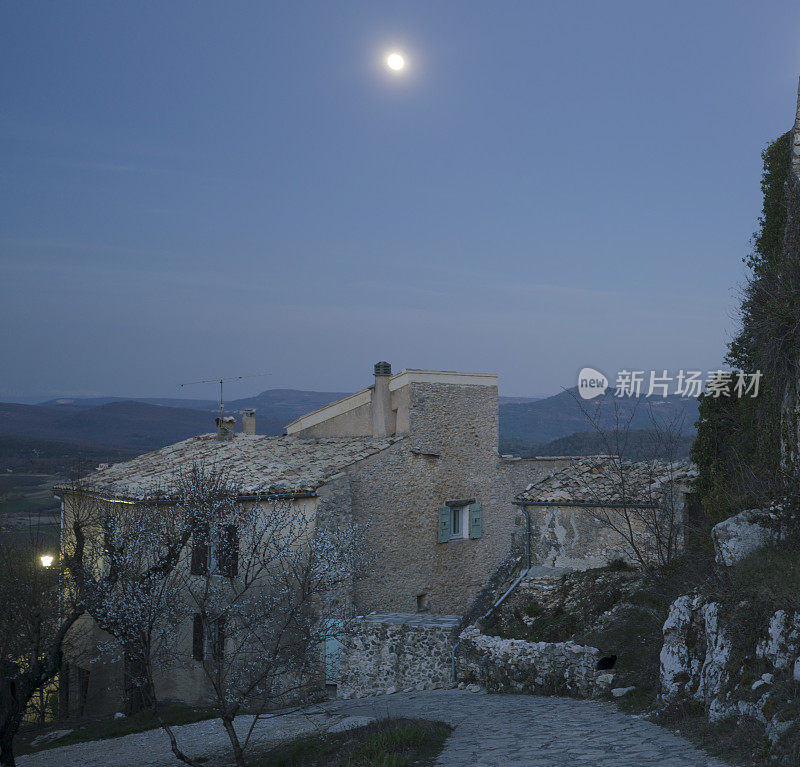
pixel 46 560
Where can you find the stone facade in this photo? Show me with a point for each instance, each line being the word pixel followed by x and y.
pixel 449 455
pixel 446 427
pixel 571 537
pixel 94 660
pixel 391 652
pixel 576 510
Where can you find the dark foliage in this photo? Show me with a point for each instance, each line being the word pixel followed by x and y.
pixel 738 445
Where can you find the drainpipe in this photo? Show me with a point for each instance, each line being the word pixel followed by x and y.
pixel 514 585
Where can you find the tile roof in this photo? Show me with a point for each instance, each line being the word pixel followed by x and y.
pixel 597 481
pixel 257 463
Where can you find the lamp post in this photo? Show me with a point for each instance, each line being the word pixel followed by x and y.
pixel 46 560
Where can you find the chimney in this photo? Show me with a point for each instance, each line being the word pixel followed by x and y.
pixel 381 402
pixel 249 422
pixel 225 426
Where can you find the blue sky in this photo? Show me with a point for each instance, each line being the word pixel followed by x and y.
pixel 196 189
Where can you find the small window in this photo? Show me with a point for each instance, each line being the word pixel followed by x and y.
pixel 217 553
pixel 225 551
pixel 208 638
pixel 458 521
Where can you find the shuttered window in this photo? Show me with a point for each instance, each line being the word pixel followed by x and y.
pixel 200 551
pixel 227 551
pixel 218 640
pixel 218 551
pixel 198 638
pixel 444 524
pixel 459 520
pixel 475 520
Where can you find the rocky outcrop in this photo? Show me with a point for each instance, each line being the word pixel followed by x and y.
pixel 539 668
pixel 742 534
pixel 695 654
pixel 699 662
pixel 782 645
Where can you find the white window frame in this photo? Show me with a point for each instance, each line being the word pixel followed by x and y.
pixel 460 513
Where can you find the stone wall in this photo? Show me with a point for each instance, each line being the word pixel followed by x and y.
pixel 572 537
pixel 539 668
pixel 390 652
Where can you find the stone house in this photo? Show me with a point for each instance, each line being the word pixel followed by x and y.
pixel 569 506
pixel 413 458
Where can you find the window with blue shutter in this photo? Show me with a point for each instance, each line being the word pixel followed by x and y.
pixel 475 520
pixel 444 524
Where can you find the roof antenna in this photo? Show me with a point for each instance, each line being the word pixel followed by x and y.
pixel 222 381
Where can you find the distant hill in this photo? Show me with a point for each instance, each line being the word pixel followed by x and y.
pixel 639 446
pixel 148 424
pixel 285 404
pixel 560 415
pixel 191 404
pixel 274 404
pixel 120 424
pixel 517 400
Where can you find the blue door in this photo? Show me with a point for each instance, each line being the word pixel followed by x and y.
pixel 333 647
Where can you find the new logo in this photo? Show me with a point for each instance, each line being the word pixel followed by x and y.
pixel 591 383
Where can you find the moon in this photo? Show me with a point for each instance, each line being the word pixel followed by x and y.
pixel 395 62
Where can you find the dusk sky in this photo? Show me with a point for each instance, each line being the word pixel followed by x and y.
pixel 203 189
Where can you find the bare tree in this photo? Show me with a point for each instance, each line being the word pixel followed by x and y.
pixel 249 606
pixel 39 608
pixel 641 501
pixel 128 581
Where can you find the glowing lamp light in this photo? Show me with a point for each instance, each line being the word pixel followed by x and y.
pixel 46 560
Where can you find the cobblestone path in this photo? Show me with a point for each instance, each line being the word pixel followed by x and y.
pixel 502 730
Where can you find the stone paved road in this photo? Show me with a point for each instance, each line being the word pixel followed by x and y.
pixel 490 730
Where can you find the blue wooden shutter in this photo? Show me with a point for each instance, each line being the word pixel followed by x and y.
pixel 198 637
pixel 228 553
pixel 444 524
pixel 218 640
pixel 200 550
pixel 475 520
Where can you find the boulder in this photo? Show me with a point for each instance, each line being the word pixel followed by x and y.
pixel 742 534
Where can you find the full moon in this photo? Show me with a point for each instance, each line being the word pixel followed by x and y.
pixel 395 62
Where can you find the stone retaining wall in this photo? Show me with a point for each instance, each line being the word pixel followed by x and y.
pixel 397 651
pixel 539 668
